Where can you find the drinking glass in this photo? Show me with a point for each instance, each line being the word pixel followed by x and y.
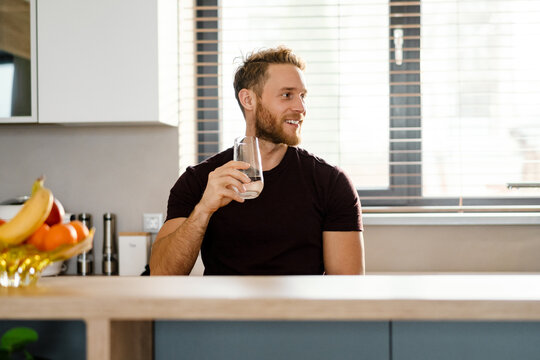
pixel 246 148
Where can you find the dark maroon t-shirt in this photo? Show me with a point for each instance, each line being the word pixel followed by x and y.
pixel 279 232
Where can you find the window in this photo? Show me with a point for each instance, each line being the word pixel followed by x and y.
pixel 430 102
pixel 344 46
pixel 480 97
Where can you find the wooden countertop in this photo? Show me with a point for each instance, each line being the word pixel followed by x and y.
pixel 372 297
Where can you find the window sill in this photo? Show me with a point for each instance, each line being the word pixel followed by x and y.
pixel 440 216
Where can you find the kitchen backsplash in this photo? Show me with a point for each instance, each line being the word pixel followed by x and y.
pixel 125 170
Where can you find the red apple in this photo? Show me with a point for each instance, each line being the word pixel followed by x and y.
pixel 57 214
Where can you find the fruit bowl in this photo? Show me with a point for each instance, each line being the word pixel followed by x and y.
pixel 22 265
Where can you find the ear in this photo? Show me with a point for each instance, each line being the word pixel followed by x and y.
pixel 247 99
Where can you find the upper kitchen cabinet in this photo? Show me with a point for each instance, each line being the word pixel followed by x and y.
pixel 105 61
pixel 18 100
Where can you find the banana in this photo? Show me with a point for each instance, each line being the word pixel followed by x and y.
pixel 33 213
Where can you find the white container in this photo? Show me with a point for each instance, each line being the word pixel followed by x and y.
pixel 133 252
pixel 7 212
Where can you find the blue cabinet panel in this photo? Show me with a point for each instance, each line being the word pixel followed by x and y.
pixel 465 340
pixel 58 340
pixel 268 340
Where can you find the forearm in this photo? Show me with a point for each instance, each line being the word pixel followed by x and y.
pixel 175 253
pixel 179 241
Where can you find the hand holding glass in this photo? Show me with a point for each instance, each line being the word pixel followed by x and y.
pixel 246 148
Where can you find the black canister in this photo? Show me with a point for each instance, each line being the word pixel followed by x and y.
pixel 85 260
pixel 110 255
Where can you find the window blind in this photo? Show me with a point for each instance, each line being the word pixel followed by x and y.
pixel 188 84
pixel 199 130
pixel 345 48
pixel 428 102
pixel 480 97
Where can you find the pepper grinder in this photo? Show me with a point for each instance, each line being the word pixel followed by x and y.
pixel 110 256
pixel 85 260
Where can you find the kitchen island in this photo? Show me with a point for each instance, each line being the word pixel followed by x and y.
pixel 119 310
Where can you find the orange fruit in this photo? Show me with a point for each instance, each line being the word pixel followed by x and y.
pixel 37 237
pixel 59 234
pixel 82 230
pixel 2 221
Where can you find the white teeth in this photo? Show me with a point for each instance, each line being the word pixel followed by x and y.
pixel 295 122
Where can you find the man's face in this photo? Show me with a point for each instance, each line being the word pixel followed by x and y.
pixel 281 107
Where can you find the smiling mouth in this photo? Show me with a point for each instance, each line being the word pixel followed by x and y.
pixel 294 122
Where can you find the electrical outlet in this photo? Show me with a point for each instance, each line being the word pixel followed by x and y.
pixel 152 222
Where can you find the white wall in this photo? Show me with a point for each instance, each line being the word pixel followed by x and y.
pixel 126 170
pixel 452 248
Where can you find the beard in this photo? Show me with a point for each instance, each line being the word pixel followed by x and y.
pixel 270 128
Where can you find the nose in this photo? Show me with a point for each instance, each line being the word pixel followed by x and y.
pixel 299 105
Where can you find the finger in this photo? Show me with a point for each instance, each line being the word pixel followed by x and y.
pixel 233 195
pixel 236 184
pixel 231 172
pixel 218 184
pixel 237 164
pixel 242 176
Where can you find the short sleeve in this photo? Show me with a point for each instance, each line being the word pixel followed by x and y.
pixel 184 195
pixel 343 205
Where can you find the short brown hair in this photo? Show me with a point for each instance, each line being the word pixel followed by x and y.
pixel 252 73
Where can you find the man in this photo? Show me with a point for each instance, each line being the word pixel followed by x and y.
pixel 306 220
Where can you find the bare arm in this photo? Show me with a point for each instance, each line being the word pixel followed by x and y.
pixel 179 240
pixel 177 244
pixel 343 253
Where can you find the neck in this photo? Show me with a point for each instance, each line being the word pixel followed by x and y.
pixel 271 154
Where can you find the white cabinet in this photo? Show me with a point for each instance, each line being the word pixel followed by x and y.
pixel 106 61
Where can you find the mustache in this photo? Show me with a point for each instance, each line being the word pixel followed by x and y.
pixel 293 116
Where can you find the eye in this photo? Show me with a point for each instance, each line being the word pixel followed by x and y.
pixel 303 96
pixel 286 95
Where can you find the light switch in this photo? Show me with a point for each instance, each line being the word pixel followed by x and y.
pixel 152 222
